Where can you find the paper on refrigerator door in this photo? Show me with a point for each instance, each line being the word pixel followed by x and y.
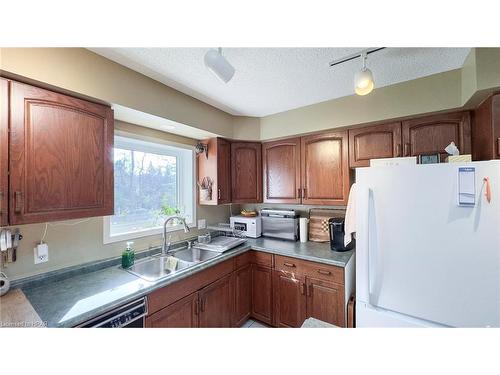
pixel 466 186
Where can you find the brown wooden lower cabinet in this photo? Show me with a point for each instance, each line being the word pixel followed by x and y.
pixel 180 314
pixel 216 304
pixel 276 290
pixel 242 294
pixel 289 299
pixel 262 296
pixel 325 301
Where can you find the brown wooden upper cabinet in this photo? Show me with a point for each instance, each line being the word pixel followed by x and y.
pixel 431 134
pixel 486 130
pixel 325 168
pixel 281 165
pixel 4 150
pixel 61 157
pixel 217 167
pixel 246 172
pixel 374 142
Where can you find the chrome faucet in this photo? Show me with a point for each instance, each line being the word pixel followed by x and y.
pixel 166 246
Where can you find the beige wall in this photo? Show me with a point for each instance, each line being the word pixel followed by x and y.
pixel 434 93
pixel 83 72
pixel 247 128
pixel 76 244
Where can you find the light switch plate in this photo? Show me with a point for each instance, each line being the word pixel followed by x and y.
pixel 202 224
pixel 43 250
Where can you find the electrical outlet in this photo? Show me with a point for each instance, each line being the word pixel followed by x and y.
pixel 41 253
pixel 202 224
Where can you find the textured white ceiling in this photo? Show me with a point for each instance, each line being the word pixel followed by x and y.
pixel 272 80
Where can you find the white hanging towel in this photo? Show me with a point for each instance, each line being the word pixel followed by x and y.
pixel 350 217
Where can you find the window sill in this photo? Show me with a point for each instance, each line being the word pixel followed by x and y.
pixel 108 239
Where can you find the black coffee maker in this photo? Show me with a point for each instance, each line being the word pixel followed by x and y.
pixel 336 227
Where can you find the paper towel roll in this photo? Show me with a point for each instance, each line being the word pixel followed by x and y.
pixel 303 224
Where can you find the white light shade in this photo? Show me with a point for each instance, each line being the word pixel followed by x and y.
pixel 363 82
pixel 219 65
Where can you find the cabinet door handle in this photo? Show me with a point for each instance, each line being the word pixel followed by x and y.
pixel 498 146
pixel 299 192
pixel 202 305
pixel 1 201
pixel 324 272
pixel 302 288
pixel 304 193
pixel 398 150
pixel 196 307
pixel 18 203
pixel 407 149
pixel 288 264
pixel 218 193
pixel 310 290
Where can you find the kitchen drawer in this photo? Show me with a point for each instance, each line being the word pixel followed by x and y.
pixel 261 258
pixel 287 264
pixel 324 272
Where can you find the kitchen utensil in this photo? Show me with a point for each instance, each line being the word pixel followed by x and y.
pixel 15 244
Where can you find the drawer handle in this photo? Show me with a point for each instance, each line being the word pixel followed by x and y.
pixel 18 205
pixel 288 264
pixel 323 272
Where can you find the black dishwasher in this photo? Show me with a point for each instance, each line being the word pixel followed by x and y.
pixel 130 315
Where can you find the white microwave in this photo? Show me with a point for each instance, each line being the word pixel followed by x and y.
pixel 251 226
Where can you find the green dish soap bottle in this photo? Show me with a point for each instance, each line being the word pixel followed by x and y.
pixel 128 256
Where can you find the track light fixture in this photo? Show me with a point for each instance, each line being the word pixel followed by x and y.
pixel 219 65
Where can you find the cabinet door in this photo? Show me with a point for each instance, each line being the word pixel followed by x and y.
pixel 216 304
pixel 246 172
pixel 486 130
pixel 262 294
pixel 4 150
pixel 325 301
pixel 290 299
pixel 180 314
pixel 374 142
pixel 281 165
pixel 223 171
pixel 61 157
pixel 430 135
pixel 243 295
pixel 325 169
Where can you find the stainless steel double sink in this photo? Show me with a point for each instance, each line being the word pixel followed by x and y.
pixel 160 266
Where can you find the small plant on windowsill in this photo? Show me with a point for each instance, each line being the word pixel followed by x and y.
pixel 167 211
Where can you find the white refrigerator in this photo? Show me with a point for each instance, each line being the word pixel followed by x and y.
pixel 423 259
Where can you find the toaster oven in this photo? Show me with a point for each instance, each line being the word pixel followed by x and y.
pixel 250 226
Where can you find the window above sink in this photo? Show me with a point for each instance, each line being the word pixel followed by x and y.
pixel 153 180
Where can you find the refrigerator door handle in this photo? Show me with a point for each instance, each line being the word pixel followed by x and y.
pixel 368 244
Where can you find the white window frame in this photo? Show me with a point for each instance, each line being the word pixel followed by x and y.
pixel 150 144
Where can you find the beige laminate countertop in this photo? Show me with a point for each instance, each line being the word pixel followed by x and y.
pixel 16 311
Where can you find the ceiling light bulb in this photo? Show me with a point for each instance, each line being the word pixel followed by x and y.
pixel 363 82
pixel 218 65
